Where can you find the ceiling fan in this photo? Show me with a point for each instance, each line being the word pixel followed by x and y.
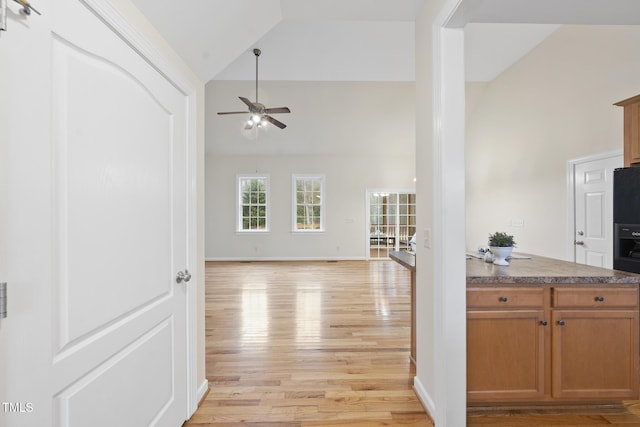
pixel 259 114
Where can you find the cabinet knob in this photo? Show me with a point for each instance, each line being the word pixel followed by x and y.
pixel 561 322
pixel 504 299
pixel 599 298
pixel 544 323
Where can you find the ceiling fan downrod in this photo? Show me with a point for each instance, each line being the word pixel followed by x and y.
pixel 257 53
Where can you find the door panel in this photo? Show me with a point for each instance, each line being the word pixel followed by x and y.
pixel 150 359
pixel 114 193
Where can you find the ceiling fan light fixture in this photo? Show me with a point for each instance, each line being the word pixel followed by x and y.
pixel 260 115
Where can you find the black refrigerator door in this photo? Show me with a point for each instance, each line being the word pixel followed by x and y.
pixel 626 196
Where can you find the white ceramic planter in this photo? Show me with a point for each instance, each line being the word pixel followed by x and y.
pixel 500 254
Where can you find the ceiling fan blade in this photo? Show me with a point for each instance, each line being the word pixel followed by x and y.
pixel 274 121
pixel 277 110
pixel 233 112
pixel 246 101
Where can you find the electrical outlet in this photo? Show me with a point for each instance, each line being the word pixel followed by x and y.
pixel 427 238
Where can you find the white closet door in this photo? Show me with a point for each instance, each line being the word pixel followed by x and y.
pixel 96 230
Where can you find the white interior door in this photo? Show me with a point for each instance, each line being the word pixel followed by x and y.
pixel 593 234
pixel 96 228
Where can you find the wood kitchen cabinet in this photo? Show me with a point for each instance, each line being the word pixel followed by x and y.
pixel 631 130
pixel 546 343
pixel 595 344
pixel 506 341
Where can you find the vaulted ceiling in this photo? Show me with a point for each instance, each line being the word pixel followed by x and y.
pixel 358 40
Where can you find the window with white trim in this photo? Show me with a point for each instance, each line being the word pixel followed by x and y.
pixel 253 203
pixel 308 203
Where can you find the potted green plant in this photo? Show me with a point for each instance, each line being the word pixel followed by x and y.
pixel 501 245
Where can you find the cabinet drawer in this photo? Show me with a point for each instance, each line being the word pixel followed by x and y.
pixel 505 297
pixel 595 297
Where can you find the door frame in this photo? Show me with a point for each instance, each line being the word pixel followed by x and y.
pixel 571 196
pixel 147 50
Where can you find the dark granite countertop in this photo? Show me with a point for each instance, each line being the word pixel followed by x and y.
pixel 542 270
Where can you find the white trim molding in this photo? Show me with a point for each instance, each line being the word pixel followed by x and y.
pixel 424 397
pixel 245 259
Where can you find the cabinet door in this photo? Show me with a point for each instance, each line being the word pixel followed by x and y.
pixel 505 355
pixel 632 134
pixel 595 354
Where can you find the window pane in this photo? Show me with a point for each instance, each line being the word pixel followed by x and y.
pixel 253 202
pixel 308 208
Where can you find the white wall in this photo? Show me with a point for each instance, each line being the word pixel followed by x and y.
pixel 359 135
pixel 552 106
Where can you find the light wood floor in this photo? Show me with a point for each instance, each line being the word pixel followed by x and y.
pixel 327 344
pixel 308 344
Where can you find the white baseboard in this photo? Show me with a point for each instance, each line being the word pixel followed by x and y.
pixel 424 397
pixel 285 259
pixel 202 390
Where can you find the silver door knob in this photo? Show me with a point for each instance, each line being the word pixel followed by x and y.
pixel 579 242
pixel 183 276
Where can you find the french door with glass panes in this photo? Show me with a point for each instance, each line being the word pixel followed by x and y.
pixel 391 222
